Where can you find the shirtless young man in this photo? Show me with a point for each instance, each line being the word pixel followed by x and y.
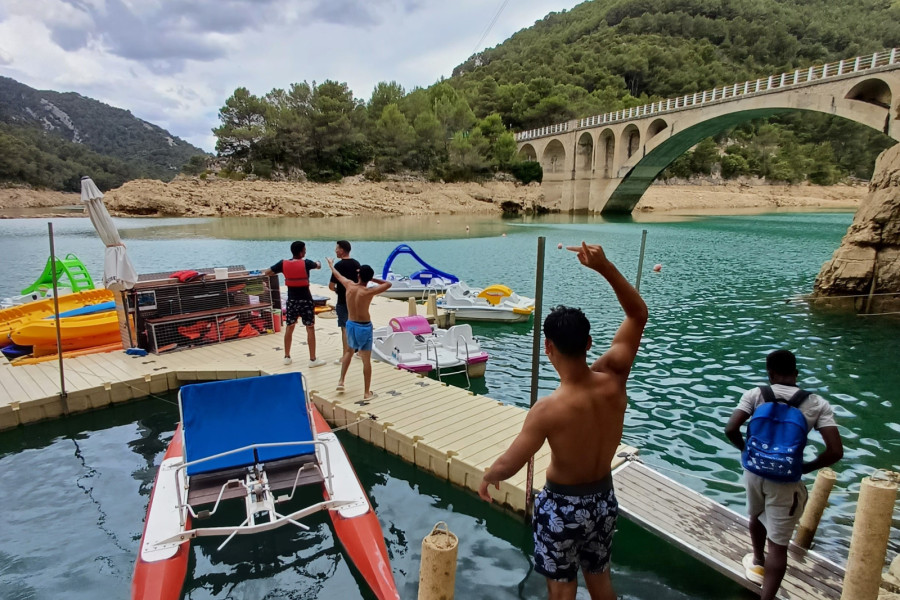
pixel 575 514
pixel 359 324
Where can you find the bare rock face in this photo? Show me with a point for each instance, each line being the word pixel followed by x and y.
pixel 868 259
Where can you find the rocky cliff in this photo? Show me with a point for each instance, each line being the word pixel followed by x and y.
pixel 864 272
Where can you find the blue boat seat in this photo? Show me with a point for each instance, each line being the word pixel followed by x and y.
pixel 226 415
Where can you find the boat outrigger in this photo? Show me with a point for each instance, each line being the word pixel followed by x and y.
pixel 248 438
pixel 418 284
pixel 493 303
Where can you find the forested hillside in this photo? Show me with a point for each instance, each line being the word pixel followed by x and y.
pixel 600 56
pixel 50 139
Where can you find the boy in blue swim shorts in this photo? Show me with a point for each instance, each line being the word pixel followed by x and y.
pixel 359 335
pixel 359 323
pixel 582 420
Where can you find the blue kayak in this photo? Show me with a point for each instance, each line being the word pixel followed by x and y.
pixel 86 310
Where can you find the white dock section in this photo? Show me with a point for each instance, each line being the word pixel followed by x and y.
pixel 447 430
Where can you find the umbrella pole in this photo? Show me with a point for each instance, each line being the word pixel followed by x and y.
pixel 59 352
pixel 535 360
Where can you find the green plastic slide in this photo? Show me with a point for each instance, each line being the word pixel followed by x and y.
pixel 69 268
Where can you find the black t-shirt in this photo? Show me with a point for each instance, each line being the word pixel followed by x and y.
pixel 297 293
pixel 349 268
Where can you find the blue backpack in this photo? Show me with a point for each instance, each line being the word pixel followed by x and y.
pixel 776 437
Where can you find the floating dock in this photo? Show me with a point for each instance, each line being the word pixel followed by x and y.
pixel 446 430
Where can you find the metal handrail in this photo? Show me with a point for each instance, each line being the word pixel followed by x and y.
pixel 797 77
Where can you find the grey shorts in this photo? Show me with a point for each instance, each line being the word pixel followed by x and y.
pixel 342 314
pixel 777 505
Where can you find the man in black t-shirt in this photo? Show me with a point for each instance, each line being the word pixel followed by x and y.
pixel 349 268
pixel 300 302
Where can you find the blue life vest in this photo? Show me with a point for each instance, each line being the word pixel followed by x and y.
pixel 776 437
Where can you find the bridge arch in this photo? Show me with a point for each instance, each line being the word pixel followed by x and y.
pixel 631 141
pixel 554 158
pixel 527 152
pixel 655 127
pixel 606 153
pixel 583 172
pixel 874 91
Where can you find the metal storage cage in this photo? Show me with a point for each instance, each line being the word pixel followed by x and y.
pixel 211 308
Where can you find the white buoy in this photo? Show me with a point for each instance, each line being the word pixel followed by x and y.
pixel 657 267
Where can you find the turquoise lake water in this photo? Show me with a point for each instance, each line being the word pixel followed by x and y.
pixel 75 490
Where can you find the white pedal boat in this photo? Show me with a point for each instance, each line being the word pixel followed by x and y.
pixel 412 344
pixel 493 303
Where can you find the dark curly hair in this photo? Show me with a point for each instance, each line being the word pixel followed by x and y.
pixel 569 330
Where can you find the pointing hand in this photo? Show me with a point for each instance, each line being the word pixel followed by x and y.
pixel 591 256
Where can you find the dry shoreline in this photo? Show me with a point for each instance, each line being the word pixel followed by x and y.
pixel 356 197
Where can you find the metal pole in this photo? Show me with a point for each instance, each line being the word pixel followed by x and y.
pixel 535 359
pixel 62 377
pixel 637 283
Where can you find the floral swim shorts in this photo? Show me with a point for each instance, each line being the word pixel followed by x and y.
pixel 574 525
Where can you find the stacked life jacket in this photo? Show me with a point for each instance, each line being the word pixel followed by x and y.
pixel 295 274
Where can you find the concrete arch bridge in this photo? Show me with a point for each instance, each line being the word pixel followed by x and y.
pixel 604 163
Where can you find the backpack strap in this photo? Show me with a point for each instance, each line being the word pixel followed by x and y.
pixel 796 400
pixel 799 398
pixel 767 393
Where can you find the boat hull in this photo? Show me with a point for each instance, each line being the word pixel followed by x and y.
pixel 362 537
pixel 487 314
pixel 403 293
pixel 75 332
pixel 360 533
pixel 161 579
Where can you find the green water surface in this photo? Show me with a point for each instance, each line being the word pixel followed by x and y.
pixel 75 491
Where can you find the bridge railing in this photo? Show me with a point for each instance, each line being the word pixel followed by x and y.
pixel 789 79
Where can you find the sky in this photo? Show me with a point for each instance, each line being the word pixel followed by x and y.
pixel 175 62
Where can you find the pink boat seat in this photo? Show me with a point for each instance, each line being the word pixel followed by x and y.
pixel 415 324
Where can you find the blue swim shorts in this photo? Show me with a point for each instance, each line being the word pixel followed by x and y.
pixel 359 335
pixel 573 526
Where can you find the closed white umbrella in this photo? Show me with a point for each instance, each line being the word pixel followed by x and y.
pixel 118 272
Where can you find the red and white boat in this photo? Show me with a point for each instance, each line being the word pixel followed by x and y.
pixel 247 438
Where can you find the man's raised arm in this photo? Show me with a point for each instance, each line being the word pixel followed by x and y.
pixel 620 356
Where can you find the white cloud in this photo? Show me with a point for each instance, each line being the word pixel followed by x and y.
pixel 174 63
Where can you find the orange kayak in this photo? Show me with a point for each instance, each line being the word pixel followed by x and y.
pixel 16 316
pixel 76 332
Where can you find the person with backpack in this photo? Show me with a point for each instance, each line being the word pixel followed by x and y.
pixel 780 416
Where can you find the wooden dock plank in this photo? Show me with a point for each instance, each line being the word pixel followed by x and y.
pixel 714 534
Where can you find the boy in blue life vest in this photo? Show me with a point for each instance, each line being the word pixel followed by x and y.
pixel 780 417
pixel 300 302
